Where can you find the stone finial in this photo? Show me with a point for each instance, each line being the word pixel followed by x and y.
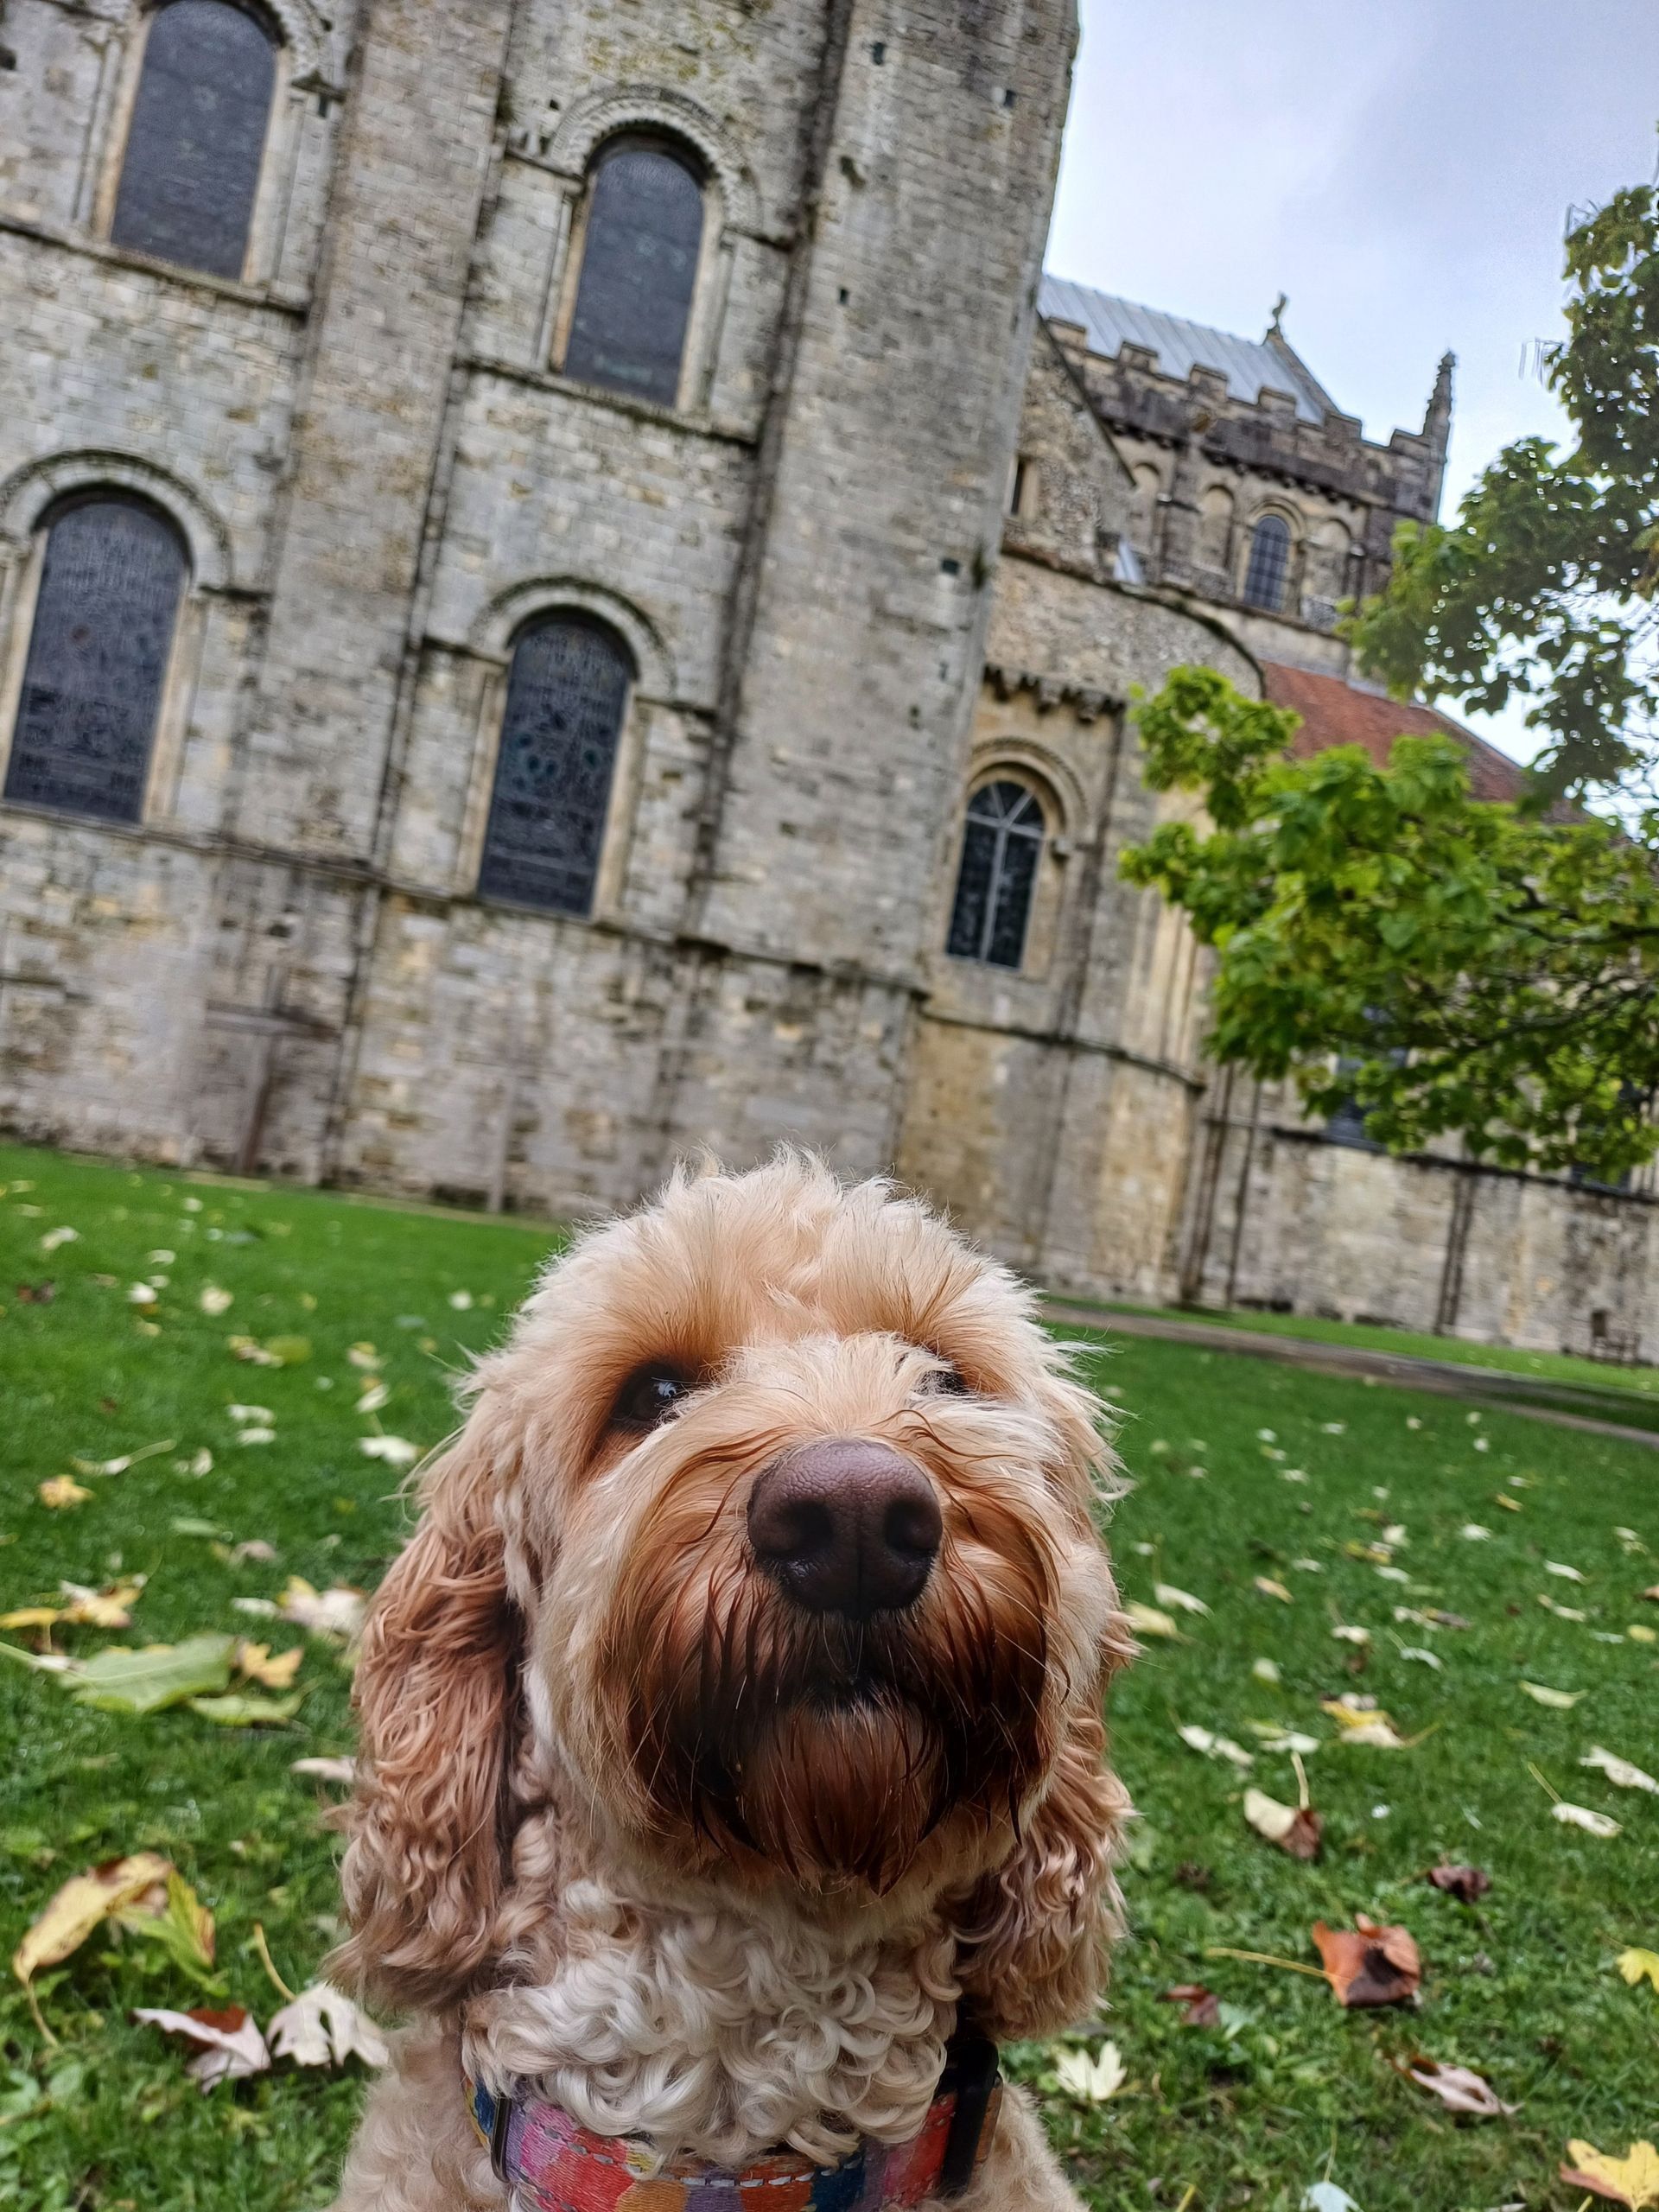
pixel 1437 425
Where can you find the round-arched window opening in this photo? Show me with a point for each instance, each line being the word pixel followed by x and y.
pixel 640 251
pixel 1002 843
pixel 1269 568
pixel 112 574
pixel 196 142
pixel 567 697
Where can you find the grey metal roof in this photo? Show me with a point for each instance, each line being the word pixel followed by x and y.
pixel 1249 365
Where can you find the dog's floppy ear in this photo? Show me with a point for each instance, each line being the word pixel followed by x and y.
pixel 437 1696
pixel 1034 1936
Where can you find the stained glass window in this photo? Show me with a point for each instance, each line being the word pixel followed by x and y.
pixel 1000 848
pixel 197 136
pixel 567 692
pixel 638 269
pixel 111 582
pixel 1264 580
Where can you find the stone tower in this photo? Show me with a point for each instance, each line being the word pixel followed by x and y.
pixel 380 428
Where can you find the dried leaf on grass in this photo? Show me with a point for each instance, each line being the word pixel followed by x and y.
pixel 1466 1884
pixel 256 1661
pixel 62 1493
pixel 1295 1829
pixel 1458 2089
pixel 1632 2180
pixel 1091 2079
pixel 1200 2008
pixel 1325 2197
pixel 1211 1746
pixel 1363 1723
pixel 1619 1772
pixel 396 1451
pixel 1635 1964
pixel 335 1612
pixel 228 2043
pixel 1558 1701
pixel 1369 1964
pixel 84 1902
pixel 336 1770
pixel 1582 1816
pixel 322 2027
pixel 1146 1620
pixel 1182 1600
pixel 1270 1589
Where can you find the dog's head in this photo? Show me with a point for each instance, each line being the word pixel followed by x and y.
pixel 768 1548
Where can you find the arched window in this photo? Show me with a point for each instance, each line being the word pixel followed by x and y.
pixel 638 270
pixel 1264 580
pixel 197 136
pixel 1000 848
pixel 567 693
pixel 111 582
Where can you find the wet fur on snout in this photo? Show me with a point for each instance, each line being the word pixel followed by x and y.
pixel 712 1867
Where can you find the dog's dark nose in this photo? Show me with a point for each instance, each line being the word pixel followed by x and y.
pixel 845 1526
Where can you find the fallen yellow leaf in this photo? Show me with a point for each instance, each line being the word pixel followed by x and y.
pixel 83 1903
pixel 255 1660
pixel 1632 2180
pixel 1634 1964
pixel 1270 1589
pixel 31 1617
pixel 62 1492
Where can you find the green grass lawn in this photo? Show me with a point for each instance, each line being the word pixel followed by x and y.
pixel 1521 1987
pixel 1561 1367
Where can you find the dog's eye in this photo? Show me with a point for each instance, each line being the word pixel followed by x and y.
pixel 650 1395
pixel 948 1380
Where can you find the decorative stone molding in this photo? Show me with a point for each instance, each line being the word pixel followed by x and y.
pixel 493 632
pixel 1002 752
pixel 30 492
pixel 587 122
pixel 1088 704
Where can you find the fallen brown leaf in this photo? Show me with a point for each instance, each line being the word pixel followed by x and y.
pixel 1295 1829
pixel 1369 1964
pixel 1458 2089
pixel 1466 1884
pixel 1201 2007
pixel 36 1294
pixel 230 2044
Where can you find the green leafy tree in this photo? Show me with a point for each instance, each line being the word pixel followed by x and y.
pixel 1451 965
pixel 1547 587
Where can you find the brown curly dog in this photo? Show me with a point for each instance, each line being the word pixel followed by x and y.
pixel 733 1759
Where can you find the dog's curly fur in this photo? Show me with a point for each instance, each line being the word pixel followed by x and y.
pixel 706 1867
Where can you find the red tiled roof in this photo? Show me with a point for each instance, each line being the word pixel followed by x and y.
pixel 1334 712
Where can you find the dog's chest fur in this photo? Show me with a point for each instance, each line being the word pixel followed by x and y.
pixel 718 2030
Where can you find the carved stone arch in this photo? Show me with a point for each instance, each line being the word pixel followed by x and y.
pixel 30 493
pixel 297 24
pixel 588 123
pixel 495 627
pixel 1021 759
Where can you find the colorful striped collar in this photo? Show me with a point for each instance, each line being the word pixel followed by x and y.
pixel 553 2165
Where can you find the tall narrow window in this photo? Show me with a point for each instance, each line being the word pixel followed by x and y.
pixel 638 270
pixel 197 137
pixel 1000 848
pixel 567 693
pixel 111 582
pixel 1264 580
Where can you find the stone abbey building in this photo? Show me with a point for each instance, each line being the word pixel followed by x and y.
pixel 568 593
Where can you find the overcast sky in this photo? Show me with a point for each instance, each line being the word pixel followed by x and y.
pixel 1402 168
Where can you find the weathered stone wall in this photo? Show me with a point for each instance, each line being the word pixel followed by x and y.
pixel 381 474
pixel 1282 1218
